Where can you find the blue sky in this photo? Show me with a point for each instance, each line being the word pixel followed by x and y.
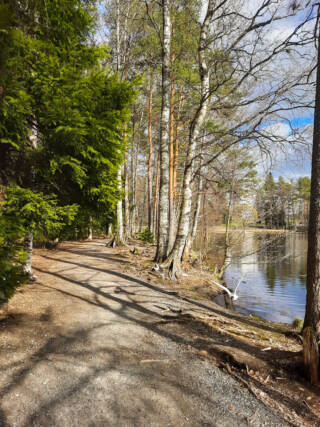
pixel 294 161
pixel 302 121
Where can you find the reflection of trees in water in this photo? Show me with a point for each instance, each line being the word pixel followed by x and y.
pixel 274 267
pixel 270 274
pixel 216 253
pixel 271 248
pixel 283 259
pixel 280 258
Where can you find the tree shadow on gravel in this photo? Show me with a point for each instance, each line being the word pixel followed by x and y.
pixel 92 253
pixel 67 381
pixel 179 330
pixel 213 308
pixel 81 371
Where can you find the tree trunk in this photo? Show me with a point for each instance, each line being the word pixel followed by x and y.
pixel 28 245
pixel 127 229
pixel 312 316
pixel 150 206
pixel 90 228
pixel 120 233
pixel 145 196
pixel 109 229
pixel 172 216
pixel 134 192
pixel 192 235
pixel 134 167
pixel 174 259
pixel 163 223
pixel 126 199
pixel 28 239
pixel 227 232
pixel 176 146
pixel 118 35
pixel 156 198
pixel 311 354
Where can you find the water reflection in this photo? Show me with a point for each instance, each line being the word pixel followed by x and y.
pixel 274 268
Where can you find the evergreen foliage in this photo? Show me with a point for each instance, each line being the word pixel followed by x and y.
pixel 146 236
pixel 11 255
pixel 62 114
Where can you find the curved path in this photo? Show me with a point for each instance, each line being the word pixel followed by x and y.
pixel 87 346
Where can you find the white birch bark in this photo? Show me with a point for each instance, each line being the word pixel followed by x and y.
pixel 150 156
pixel 28 245
pixel 118 35
pixel 28 240
pixel 127 227
pixel 133 221
pixel 156 197
pixel 120 228
pixel 134 169
pixel 90 229
pixel 174 259
pixel 120 233
pixel 193 233
pixel 163 222
pixel 172 213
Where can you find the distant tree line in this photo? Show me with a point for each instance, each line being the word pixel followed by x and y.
pixel 284 204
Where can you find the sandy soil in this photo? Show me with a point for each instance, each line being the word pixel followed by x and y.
pixel 97 342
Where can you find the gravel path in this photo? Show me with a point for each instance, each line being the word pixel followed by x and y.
pixel 86 346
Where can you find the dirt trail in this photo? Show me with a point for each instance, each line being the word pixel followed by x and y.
pixel 87 346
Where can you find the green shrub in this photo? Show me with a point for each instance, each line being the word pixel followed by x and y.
pixel 298 324
pixel 12 256
pixel 146 236
pixel 23 211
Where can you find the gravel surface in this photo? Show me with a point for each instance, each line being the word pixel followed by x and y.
pixel 86 346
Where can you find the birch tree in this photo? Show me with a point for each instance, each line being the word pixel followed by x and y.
pixel 163 221
pixel 174 259
pixel 120 228
pixel 232 57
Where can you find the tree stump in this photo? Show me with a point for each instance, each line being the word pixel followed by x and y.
pixel 311 354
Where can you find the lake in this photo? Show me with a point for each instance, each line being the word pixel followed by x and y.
pixel 273 267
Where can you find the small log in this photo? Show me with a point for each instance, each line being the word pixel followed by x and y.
pixel 311 354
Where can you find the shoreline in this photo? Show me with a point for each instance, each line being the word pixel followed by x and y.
pixel 221 229
pixel 263 355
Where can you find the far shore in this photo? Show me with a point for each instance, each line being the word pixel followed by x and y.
pixel 222 229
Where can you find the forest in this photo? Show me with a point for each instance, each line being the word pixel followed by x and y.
pixel 158 121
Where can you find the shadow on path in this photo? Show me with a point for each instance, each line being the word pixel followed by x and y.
pixel 216 310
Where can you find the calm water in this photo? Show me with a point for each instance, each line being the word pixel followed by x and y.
pixel 274 271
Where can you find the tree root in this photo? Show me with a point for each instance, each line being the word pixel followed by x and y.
pixel 114 242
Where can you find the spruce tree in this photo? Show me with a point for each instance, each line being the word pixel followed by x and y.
pixel 61 115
